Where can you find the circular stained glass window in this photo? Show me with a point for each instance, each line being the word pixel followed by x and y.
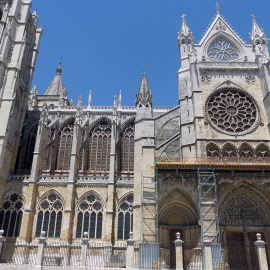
pixel 232 111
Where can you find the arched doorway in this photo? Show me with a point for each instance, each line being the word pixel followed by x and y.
pixel 243 212
pixel 178 213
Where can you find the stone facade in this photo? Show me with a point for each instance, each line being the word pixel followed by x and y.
pixel 66 169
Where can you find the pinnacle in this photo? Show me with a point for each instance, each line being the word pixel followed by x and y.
pixel 144 89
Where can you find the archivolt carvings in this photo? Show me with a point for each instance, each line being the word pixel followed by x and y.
pixel 232 111
pixel 245 150
pixel 244 206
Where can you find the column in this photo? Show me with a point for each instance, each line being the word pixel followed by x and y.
pixel 37 163
pixel 207 253
pixel 130 252
pixel 179 252
pixel 110 203
pixel 69 195
pixel 260 245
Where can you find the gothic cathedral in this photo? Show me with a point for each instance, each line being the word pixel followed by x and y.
pixel 201 168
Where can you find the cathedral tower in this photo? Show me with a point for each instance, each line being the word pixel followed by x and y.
pixel 19 43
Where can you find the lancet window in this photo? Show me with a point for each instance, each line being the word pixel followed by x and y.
pixel 96 154
pixel 11 213
pixel 1 14
pixel 49 218
pixel 127 148
pixel 212 150
pixel 90 217
pixel 125 218
pixel 59 152
pixel 26 151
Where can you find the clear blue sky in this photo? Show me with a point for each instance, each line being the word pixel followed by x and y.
pixel 105 44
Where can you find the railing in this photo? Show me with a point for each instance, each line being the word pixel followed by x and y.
pixel 19 253
pixel 216 160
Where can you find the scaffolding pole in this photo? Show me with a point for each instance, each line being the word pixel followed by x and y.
pixel 208 204
pixel 149 208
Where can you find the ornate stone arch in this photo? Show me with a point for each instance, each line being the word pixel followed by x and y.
pixel 245 150
pixel 48 192
pixel 67 121
pixel 126 123
pixel 230 39
pixel 262 150
pixel 103 118
pixel 177 202
pixel 212 150
pixel 90 192
pixel 245 204
pixel 228 150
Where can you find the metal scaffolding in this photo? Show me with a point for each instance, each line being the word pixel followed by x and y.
pixel 208 204
pixel 149 208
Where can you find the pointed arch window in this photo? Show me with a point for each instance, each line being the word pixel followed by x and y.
pixel 51 151
pixel 90 217
pixel 222 50
pixel 49 219
pixel 212 150
pixel 96 154
pixel 59 148
pixel 26 151
pixel 1 14
pixel 127 148
pixel 11 213
pixel 64 147
pixel 125 218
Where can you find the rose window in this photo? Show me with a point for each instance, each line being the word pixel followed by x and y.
pixel 222 50
pixel 232 111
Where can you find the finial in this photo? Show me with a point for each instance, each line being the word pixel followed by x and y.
pixel 90 99
pixel 115 101
pixel 143 71
pixel 59 69
pixel 259 236
pixel 253 17
pixel 217 7
pixel 184 17
pixel 71 102
pixel 120 99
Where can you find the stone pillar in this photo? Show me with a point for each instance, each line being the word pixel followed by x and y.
pixel 207 253
pixel 41 246
pixel 130 252
pixel 69 195
pixel 2 240
pixel 37 163
pixel 111 188
pixel 179 252
pixel 260 244
pixel 84 250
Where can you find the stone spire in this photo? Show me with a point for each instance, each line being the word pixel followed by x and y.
pixel 259 41
pixel 257 34
pixel 56 87
pixel 144 97
pixel 185 36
